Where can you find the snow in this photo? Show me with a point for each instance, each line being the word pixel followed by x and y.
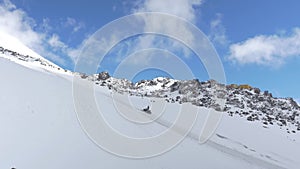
pixel 35 61
pixel 39 129
pixel 9 42
pixel 269 144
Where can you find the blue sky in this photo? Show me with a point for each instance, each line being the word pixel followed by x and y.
pixel 257 41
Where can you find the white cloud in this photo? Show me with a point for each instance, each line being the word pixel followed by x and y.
pixel 58 46
pixel 7 4
pixel 55 42
pixel 15 22
pixel 181 8
pixel 270 50
pixel 76 25
pixel 217 31
pixel 45 25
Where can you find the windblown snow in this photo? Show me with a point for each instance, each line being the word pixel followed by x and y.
pixel 39 127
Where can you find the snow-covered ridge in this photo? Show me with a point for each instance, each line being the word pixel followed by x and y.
pixel 244 101
pixel 36 61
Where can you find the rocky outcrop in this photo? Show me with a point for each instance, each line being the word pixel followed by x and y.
pixel 244 101
pixel 103 76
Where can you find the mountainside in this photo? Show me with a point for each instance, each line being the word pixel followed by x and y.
pixel 240 100
pixel 28 60
pixel 39 127
pixel 12 49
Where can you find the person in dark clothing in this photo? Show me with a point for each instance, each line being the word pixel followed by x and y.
pixel 147 110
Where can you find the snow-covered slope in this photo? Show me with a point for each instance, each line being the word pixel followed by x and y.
pixel 39 126
pixel 11 43
pixel 246 102
pixel 12 49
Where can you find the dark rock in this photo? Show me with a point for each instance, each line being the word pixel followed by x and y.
pixel 103 76
pixel 174 87
pixel 152 83
pixel 84 76
pixel 261 99
pixel 226 108
pixel 283 122
pixel 245 113
pixel 257 90
pixel 266 93
pixel 250 118
pixel 293 103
